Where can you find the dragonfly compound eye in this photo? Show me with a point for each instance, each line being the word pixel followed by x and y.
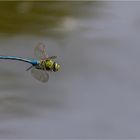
pixel 56 67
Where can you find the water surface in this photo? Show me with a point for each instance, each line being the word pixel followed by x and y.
pixel 96 94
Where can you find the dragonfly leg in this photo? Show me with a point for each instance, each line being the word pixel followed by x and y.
pixel 52 57
pixel 29 68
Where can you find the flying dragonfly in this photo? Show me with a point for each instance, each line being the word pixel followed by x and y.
pixel 41 66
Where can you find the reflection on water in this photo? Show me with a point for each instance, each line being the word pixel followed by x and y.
pixel 37 18
pixel 96 93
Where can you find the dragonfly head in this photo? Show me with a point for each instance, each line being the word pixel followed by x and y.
pixel 56 67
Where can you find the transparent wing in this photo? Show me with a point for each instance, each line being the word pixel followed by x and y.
pixel 40 75
pixel 40 52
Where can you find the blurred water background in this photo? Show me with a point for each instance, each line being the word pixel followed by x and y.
pixel 97 92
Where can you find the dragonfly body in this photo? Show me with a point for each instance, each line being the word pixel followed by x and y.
pixel 48 65
pixel 39 68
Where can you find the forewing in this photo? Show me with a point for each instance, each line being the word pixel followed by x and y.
pixel 40 52
pixel 40 75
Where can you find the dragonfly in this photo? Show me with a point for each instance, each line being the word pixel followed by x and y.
pixel 41 65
